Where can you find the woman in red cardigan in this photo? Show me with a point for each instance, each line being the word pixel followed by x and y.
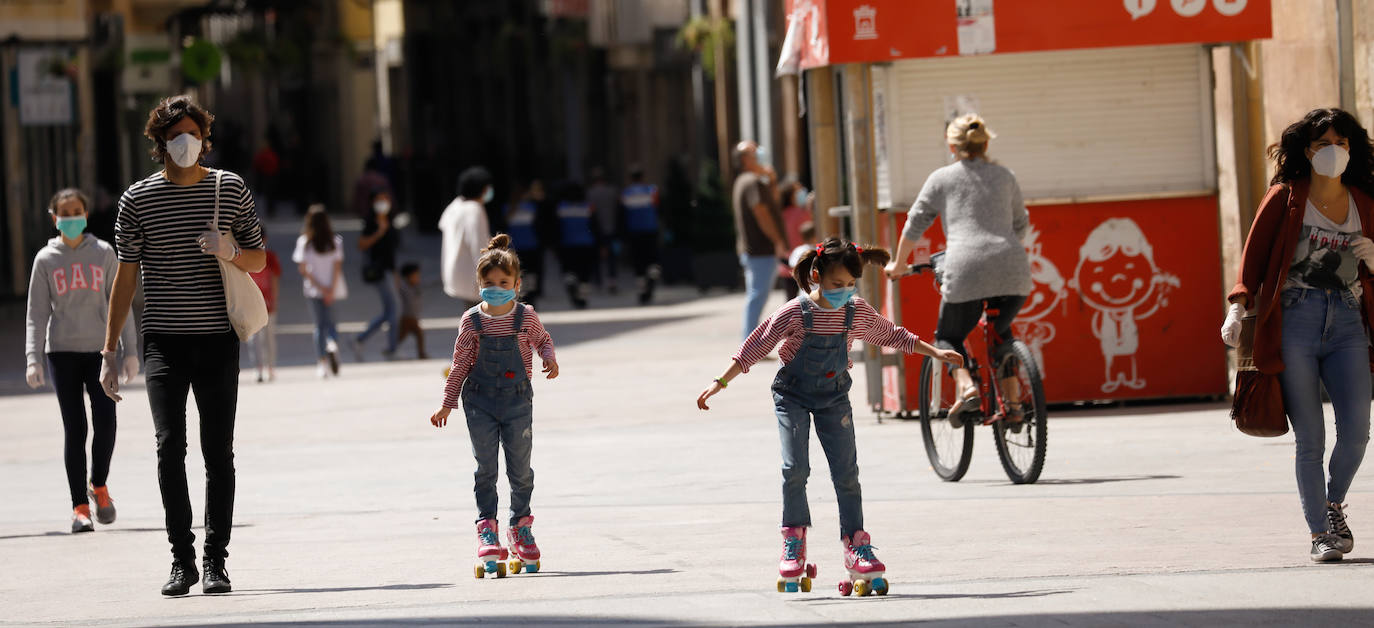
pixel 1306 273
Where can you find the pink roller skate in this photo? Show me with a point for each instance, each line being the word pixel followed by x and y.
pixel 794 574
pixel 521 540
pixel 865 570
pixel 490 555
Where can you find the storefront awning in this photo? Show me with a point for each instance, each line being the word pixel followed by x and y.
pixel 834 32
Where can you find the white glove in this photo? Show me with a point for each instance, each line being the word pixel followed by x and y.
pixel 1230 330
pixel 130 368
pixel 1363 248
pixel 212 242
pixel 109 375
pixel 34 376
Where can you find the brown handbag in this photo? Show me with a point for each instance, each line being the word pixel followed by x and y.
pixel 1257 407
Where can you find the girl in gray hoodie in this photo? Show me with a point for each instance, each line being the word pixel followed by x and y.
pixel 69 294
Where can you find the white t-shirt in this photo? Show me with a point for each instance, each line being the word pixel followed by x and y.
pixel 1324 258
pixel 320 266
pixel 466 232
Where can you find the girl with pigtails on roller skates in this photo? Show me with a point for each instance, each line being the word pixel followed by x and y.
pixel 816 330
pixel 491 373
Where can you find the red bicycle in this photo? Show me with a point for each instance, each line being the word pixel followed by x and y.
pixel 1015 390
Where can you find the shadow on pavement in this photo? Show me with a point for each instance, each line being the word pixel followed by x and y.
pixel 102 529
pixel 583 574
pixel 385 587
pixel 941 596
pixel 1085 481
pixel 1218 617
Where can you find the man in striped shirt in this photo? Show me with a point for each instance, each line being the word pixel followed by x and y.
pixel 165 235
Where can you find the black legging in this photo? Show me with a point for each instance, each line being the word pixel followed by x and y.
pixel 957 320
pixel 71 372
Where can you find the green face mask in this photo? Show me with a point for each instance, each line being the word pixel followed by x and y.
pixel 71 226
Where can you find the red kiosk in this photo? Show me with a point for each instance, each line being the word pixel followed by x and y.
pixel 1104 110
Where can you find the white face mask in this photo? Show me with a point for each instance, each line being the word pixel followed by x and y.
pixel 184 150
pixel 1330 161
pixel 381 207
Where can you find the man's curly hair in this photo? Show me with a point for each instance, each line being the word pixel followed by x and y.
pixel 167 114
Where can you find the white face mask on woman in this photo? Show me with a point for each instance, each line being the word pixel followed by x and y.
pixel 184 150
pixel 1330 161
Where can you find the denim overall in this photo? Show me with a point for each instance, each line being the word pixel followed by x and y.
pixel 816 383
pixel 497 400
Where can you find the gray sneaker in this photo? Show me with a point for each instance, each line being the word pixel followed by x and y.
pixel 1335 520
pixel 1326 548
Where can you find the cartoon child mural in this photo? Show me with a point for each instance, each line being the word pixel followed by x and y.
pixel 1048 291
pixel 1117 276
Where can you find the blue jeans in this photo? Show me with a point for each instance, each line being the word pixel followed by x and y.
pixel 759 271
pixel 324 326
pixel 1324 343
pixel 501 420
pixel 796 409
pixel 386 289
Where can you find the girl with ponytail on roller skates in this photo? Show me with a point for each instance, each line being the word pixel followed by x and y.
pixel 491 373
pixel 816 330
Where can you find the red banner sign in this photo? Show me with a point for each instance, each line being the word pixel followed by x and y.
pixel 1126 302
pixel 855 31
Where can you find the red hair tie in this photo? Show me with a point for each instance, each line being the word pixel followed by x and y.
pixel 820 248
pixel 859 249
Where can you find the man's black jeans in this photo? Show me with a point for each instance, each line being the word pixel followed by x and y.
pixel 209 366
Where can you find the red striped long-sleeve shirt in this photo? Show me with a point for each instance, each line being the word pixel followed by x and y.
pixel 785 326
pixel 533 337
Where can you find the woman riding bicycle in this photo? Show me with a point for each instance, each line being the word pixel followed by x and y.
pixel 981 211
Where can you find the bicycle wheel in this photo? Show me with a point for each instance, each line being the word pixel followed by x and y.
pixel 949 448
pixel 1022 448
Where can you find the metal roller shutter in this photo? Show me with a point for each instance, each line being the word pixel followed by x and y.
pixel 1104 123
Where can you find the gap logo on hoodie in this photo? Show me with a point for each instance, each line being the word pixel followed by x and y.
pixel 78 277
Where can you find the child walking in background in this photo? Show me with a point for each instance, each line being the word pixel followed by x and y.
pixel 263 345
pixel 491 373
pixel 69 296
pixel 816 330
pixel 410 308
pixel 319 255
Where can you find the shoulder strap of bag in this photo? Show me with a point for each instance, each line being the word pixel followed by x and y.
pixel 219 177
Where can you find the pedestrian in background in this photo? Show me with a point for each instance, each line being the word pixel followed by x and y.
pixel 410 308
pixel 577 242
pixel 639 203
pixel 807 235
pixel 466 230
pixel 760 241
pixel 796 210
pixel 526 221
pixel 380 241
pixel 605 200
pixel 1312 324
pixel 319 256
pixel 263 345
pixel 817 330
pixel 166 233
pixel 491 373
pixel 69 296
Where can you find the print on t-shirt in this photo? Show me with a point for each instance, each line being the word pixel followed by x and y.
pixel 1324 259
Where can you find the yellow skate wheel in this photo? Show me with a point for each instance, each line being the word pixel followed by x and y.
pixel 500 570
pixel 479 571
pixel 516 566
pixel 861 588
pixel 806 585
pixel 782 585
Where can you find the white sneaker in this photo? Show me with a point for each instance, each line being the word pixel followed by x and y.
pixel 321 371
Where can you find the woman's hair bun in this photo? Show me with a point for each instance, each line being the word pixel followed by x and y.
pixel 498 241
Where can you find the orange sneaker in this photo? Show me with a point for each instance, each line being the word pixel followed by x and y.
pixel 81 519
pixel 104 506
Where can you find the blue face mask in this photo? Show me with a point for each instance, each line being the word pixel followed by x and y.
pixel 488 195
pixel 799 199
pixel 71 226
pixel 497 296
pixel 839 296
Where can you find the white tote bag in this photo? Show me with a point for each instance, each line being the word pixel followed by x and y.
pixel 247 309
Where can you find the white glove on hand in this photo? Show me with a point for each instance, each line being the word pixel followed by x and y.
pixel 212 242
pixel 34 376
pixel 109 375
pixel 1230 330
pixel 130 368
pixel 1363 248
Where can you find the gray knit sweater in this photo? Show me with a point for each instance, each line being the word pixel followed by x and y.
pixel 980 208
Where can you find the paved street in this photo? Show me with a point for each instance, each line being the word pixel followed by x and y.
pixel 353 510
